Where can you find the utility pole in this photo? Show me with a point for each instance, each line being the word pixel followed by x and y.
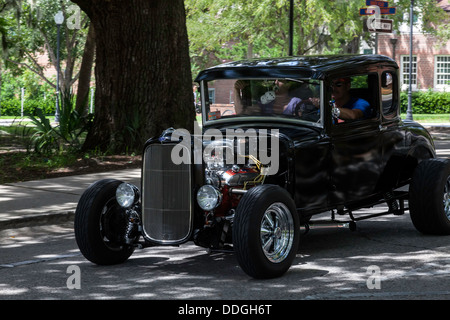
pixel 409 114
pixel 291 27
pixel 59 19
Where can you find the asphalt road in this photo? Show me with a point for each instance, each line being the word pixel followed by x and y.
pixel 385 258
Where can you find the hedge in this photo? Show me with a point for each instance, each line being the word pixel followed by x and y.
pixel 428 102
pixel 13 107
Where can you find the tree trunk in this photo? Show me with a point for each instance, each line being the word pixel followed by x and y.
pixel 84 80
pixel 143 76
pixel 1 79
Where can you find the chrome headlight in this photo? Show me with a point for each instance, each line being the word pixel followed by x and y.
pixel 127 195
pixel 208 197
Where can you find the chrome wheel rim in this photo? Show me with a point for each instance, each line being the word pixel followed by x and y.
pixel 447 198
pixel 277 232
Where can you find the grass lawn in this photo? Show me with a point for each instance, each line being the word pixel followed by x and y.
pixel 437 118
pixel 20 122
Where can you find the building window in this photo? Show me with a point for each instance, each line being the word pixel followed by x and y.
pixel 212 95
pixel 442 72
pixel 405 65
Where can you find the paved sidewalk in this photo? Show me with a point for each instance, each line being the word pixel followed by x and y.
pixel 436 126
pixel 50 200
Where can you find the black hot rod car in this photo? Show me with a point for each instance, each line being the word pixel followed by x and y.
pixel 281 141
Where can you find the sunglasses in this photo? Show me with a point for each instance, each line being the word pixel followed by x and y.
pixel 337 84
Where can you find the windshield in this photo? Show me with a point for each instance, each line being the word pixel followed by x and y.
pixel 297 99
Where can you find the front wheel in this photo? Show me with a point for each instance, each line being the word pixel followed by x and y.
pixel 100 224
pixel 266 231
pixel 429 197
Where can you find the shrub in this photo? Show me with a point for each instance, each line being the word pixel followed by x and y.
pixel 10 107
pixel 429 102
pixel 13 107
pixel 65 136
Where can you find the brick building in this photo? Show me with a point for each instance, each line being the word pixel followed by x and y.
pixel 431 57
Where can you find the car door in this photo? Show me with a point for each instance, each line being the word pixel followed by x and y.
pixel 355 161
pixel 356 149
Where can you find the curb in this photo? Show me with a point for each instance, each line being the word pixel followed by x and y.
pixel 38 220
pixel 51 201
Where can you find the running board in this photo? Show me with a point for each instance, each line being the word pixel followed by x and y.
pixel 397 208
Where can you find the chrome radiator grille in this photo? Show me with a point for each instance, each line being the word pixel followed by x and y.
pixel 166 196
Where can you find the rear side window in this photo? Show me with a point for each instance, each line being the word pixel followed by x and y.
pixel 388 95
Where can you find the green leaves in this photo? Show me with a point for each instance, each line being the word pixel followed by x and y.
pixel 44 137
pixel 428 102
pixel 64 136
pixel 239 29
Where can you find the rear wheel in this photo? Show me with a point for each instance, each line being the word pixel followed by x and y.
pixel 266 231
pixel 100 224
pixel 429 197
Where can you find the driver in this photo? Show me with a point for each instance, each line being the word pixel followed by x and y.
pixel 348 107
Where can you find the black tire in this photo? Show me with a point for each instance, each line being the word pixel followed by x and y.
pixel 100 224
pixel 429 197
pixel 256 254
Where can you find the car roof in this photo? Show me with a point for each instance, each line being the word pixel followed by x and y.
pixel 314 67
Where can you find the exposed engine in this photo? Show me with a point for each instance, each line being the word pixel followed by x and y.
pixel 231 172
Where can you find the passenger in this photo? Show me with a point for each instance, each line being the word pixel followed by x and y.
pixel 286 97
pixel 304 105
pixel 277 104
pixel 348 107
pixel 272 101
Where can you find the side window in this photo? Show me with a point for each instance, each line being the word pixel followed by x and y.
pixel 355 97
pixel 388 95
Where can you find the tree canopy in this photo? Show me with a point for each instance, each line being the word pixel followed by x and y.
pixel 31 31
pixel 236 29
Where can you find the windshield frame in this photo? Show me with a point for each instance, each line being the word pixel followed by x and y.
pixel 261 118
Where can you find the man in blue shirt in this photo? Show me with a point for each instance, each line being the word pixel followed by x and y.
pixel 347 107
